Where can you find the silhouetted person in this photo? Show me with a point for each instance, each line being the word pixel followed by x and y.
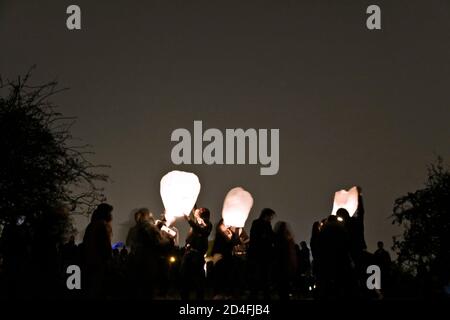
pixel 50 232
pixel 97 255
pixel 382 256
pixel 315 247
pixel 70 252
pixel 131 240
pixel 285 259
pixel 383 260
pixel 240 269
pixel 71 255
pixel 146 243
pixel 165 267
pixel 15 247
pixel 303 277
pixel 343 216
pixel 124 253
pixel 260 252
pixel 335 275
pixel 304 259
pixel 116 254
pixel 192 266
pixel 355 226
pixel 222 251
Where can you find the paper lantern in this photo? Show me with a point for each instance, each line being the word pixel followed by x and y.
pixel 347 200
pixel 179 191
pixel 236 207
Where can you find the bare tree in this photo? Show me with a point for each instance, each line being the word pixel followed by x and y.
pixel 40 166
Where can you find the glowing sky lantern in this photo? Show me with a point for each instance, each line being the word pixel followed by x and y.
pixel 179 191
pixel 347 200
pixel 236 207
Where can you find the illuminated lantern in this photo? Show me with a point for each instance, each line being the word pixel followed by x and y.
pixel 347 200
pixel 179 191
pixel 236 207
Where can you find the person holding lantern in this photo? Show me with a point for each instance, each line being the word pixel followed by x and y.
pixel 352 202
pixel 336 275
pixel 227 237
pixel 229 234
pixel 146 243
pixel 240 270
pixel 356 230
pixel 354 224
pixel 192 272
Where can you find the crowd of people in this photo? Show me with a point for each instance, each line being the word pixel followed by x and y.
pixel 267 263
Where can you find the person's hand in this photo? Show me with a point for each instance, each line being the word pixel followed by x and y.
pixel 201 222
pixel 226 231
pixel 216 257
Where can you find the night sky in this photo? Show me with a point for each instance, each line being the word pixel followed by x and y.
pixel 354 107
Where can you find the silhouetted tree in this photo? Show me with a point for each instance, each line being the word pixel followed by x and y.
pixel 39 169
pixel 43 179
pixel 424 248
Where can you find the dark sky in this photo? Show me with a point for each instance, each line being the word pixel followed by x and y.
pixel 353 106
